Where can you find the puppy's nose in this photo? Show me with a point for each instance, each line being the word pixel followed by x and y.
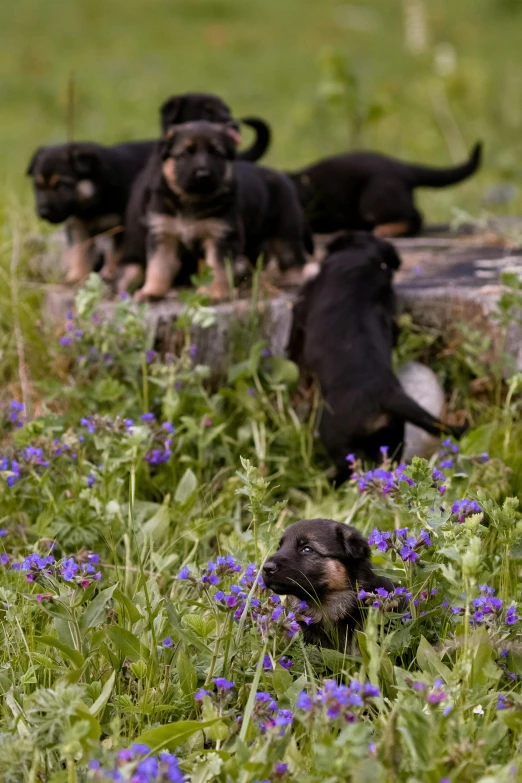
pixel 269 567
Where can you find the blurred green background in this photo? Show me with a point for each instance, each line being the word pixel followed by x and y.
pixel 418 79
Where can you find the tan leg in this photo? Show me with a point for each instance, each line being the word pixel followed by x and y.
pixel 132 277
pixel 161 272
pixel 390 230
pixel 112 257
pixel 78 254
pixel 219 288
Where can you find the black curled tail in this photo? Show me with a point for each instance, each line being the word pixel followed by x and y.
pixel 439 178
pixel 262 140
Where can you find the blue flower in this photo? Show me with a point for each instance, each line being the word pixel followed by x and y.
pixel 147 417
pixel 139 747
pixel 304 702
pixel 184 573
pixel 168 642
pixel 221 682
pixel 200 694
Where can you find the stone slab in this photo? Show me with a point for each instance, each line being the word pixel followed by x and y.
pixel 442 280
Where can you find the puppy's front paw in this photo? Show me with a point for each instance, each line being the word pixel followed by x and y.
pixel 216 291
pixel 148 295
pixel 74 276
pixel 108 274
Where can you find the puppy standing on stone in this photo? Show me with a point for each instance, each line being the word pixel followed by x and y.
pixel 87 186
pixel 343 332
pixel 179 109
pixel 324 563
pixel 371 192
pixel 206 201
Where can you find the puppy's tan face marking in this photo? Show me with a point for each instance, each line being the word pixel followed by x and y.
pixel 336 576
pixel 169 172
pixel 390 230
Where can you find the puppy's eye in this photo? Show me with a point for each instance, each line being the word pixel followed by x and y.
pixel 306 550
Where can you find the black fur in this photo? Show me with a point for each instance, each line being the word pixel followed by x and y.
pixel 64 174
pixel 366 190
pixel 177 110
pixel 343 332
pixel 324 563
pixel 235 207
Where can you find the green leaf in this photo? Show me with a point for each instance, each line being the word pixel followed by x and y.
pixel 101 702
pixel 186 487
pixel 126 643
pixel 95 612
pixel 188 678
pixel 219 730
pixel 429 661
pixel 126 603
pixel 172 734
pixel 157 526
pixel 69 652
pixel 283 371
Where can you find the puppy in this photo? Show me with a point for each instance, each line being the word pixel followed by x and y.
pixel 207 202
pixel 371 192
pixel 179 109
pixel 87 186
pixel 324 563
pixel 343 332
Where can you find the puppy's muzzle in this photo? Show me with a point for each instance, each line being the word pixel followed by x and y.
pixel 202 174
pixel 269 568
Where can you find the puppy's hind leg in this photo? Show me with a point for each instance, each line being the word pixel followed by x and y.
pixel 219 288
pixel 404 407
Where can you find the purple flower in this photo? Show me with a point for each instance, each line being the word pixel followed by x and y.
pixel 221 682
pixel 168 642
pixel 168 427
pixel 484 457
pixel 200 694
pixel 65 341
pixel 304 702
pixel 379 539
pixel 370 690
pixel 90 480
pixel 139 747
pixel 408 554
pixel 281 769
pixel 184 573
pixel 193 350
pixel 446 463
pixel 150 356
pixel 4 560
pixel 147 417
pixel 384 451
pixel 286 662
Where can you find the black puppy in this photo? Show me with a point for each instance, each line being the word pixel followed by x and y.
pixel 179 109
pixel 207 202
pixel 371 192
pixel 87 186
pixel 324 563
pixel 343 332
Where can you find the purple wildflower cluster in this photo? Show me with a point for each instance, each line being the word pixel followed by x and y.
pixel 408 547
pixel 384 600
pixel 338 701
pixel 265 610
pixel 12 413
pixel 284 661
pixel 385 481
pixel 135 765
pixel 488 610
pixel 268 715
pixel 462 509
pixel 433 695
pixel 450 457
pixel 162 443
pixel 160 450
pixel 38 568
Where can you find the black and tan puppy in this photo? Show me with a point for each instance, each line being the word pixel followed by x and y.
pixel 87 186
pixel 324 563
pixel 179 109
pixel 367 191
pixel 343 332
pixel 207 202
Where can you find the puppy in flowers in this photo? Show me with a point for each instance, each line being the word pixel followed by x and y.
pixel 325 564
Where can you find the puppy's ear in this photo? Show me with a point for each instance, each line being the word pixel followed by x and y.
pixel 354 543
pixel 86 161
pixel 166 144
pixel 340 241
pixel 32 163
pixel 170 112
pixel 389 255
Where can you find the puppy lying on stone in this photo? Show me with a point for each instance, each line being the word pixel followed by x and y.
pixel 324 563
pixel 87 186
pixel 343 332
pixel 205 202
pixel 179 109
pixel 371 192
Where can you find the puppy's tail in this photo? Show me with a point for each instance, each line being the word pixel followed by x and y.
pixel 404 407
pixel 261 142
pixel 425 176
